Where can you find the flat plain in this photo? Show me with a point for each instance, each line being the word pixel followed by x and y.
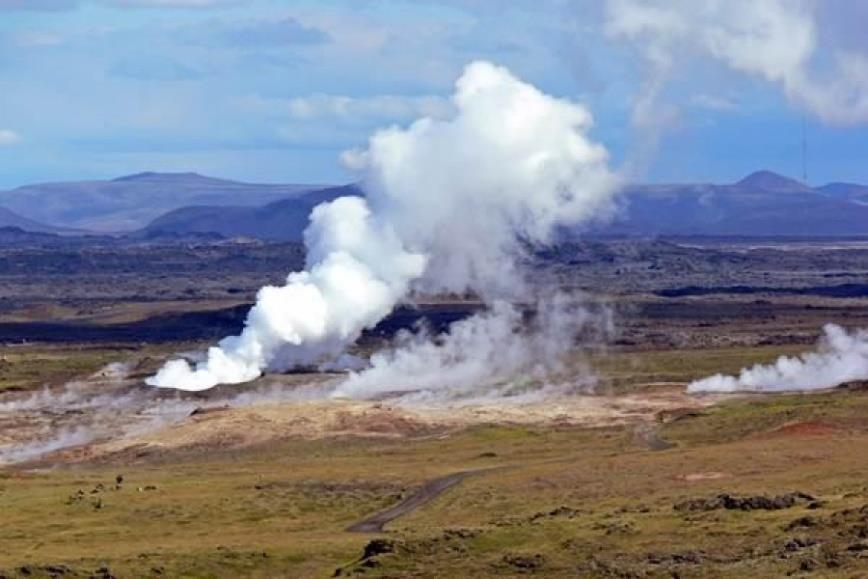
pixel 629 478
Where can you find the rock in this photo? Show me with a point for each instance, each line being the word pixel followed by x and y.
pixel 691 557
pixel 803 522
pixel 797 544
pixel 561 511
pixel 750 503
pixel 200 410
pixel 378 547
pixel 459 534
pixel 524 562
pixel 57 570
pixel 103 573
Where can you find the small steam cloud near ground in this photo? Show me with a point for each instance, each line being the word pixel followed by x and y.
pixel 110 406
pixel 450 205
pixel 494 354
pixel 841 357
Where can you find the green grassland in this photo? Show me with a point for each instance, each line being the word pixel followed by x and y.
pixel 29 367
pixel 568 502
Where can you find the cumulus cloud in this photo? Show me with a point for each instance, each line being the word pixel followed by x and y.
pixel 841 357
pixel 9 137
pixel 775 40
pixel 451 205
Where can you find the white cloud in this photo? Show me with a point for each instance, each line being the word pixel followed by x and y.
pixel 9 137
pixel 776 40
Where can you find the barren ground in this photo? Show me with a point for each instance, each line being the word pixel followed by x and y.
pixel 624 480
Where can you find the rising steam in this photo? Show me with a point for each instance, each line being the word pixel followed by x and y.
pixel 775 40
pixel 450 205
pixel 840 357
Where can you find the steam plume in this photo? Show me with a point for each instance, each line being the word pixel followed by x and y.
pixel 497 353
pixel 840 357
pixel 776 40
pixel 450 204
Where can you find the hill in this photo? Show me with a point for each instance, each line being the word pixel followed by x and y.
pixel 129 203
pixel 9 218
pixel 761 204
pixel 283 220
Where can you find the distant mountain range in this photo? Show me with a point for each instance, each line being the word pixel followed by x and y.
pixel 761 204
pixel 152 205
pixel 283 220
pixel 131 202
pixel 9 218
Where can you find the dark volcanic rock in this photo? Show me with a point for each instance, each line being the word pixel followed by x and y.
pixel 378 547
pixel 750 503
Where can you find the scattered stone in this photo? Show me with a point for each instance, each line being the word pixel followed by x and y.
pixel 75 497
pixel 524 562
pixel 561 511
pixel 103 573
pixel 450 534
pixel 616 528
pixel 200 410
pixel 858 547
pixel 379 547
pixel 797 544
pixel 750 503
pixel 691 557
pixel 803 522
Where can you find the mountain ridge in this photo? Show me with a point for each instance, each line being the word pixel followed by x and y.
pixel 761 204
pixel 130 202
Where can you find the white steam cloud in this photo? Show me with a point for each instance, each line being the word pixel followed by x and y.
pixel 497 353
pixel 776 40
pixel 451 204
pixel 840 357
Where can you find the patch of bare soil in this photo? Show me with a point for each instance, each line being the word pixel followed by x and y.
pixel 261 423
pixel 804 428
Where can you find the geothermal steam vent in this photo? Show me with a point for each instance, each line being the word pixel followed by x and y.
pixel 449 205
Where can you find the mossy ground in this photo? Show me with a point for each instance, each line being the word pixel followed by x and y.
pixel 568 502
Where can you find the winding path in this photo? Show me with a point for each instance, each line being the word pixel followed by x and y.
pixel 429 491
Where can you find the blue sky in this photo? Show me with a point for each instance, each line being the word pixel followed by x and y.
pixel 273 91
